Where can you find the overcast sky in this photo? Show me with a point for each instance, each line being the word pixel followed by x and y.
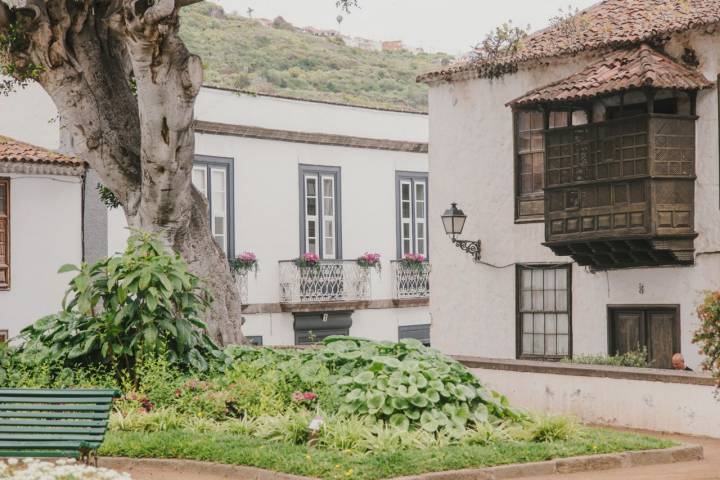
pixel 452 26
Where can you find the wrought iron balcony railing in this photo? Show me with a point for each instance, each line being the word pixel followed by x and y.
pixel 241 282
pixel 410 280
pixel 328 281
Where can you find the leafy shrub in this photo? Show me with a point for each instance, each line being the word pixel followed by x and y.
pixel 637 358
pixel 552 429
pixel 143 302
pixel 407 384
pixel 708 334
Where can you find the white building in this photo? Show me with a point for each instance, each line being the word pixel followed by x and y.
pixel 41 229
pixel 284 177
pixel 590 174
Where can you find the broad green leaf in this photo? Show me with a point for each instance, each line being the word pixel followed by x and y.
pixel 375 400
pixel 68 267
pixel 400 421
pixel 364 378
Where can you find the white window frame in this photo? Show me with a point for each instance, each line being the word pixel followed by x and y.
pixel 411 179
pixel 320 174
pixel 209 165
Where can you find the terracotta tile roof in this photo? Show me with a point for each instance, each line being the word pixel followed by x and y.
pixel 623 70
pixel 607 24
pixel 19 152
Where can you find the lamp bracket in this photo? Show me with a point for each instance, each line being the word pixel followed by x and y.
pixel 474 248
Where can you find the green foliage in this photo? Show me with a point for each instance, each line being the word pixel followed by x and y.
pixel 107 197
pixel 143 303
pixel 637 359
pixel 242 53
pixel 505 40
pixel 16 39
pixel 407 385
pixel 707 336
pixel 552 429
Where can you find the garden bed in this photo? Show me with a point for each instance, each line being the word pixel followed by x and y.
pixel 233 449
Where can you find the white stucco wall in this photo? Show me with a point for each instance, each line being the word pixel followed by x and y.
pixel 223 106
pixel 45 233
pixel 669 407
pixel 471 162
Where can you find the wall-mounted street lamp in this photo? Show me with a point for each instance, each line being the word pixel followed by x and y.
pixel 454 222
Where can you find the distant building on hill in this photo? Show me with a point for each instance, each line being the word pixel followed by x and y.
pixel 363 43
pixel 393 46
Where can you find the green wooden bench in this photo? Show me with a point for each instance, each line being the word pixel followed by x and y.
pixel 54 423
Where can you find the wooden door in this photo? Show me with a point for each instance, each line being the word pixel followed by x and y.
pixel 627 331
pixel 662 337
pixel 656 328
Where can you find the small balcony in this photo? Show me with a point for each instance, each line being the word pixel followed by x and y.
pixel 328 281
pixel 620 193
pixel 410 280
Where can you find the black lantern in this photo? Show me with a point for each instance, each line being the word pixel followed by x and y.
pixel 454 221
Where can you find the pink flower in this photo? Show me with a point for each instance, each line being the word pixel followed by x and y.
pixel 414 257
pixel 247 257
pixel 311 257
pixel 310 396
pixel 298 397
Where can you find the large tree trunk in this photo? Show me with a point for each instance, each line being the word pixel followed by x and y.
pixel 141 143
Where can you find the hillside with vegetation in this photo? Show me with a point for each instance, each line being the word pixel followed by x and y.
pixel 244 54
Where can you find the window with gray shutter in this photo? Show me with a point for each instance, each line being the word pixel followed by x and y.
pixel 256 340
pixel 314 327
pixel 418 332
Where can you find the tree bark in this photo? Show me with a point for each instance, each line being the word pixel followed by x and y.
pixel 141 143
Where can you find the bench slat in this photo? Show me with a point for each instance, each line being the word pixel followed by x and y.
pixel 52 415
pixel 67 452
pixel 57 444
pixel 49 429
pixel 19 399
pixel 54 407
pixel 48 392
pixel 50 437
pixel 7 422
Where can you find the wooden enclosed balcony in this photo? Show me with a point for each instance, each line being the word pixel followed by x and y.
pixel 620 193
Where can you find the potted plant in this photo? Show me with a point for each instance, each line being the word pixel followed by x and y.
pixel 413 260
pixel 370 260
pixel 243 263
pixel 308 260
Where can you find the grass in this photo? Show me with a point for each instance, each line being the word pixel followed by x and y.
pixel 327 464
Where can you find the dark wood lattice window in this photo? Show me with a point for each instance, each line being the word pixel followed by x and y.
pixel 4 233
pixel 544 323
pixel 529 158
pixel 4 336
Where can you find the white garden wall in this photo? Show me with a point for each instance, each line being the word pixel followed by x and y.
pixel 651 405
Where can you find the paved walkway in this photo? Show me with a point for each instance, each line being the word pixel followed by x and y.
pixel 707 469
